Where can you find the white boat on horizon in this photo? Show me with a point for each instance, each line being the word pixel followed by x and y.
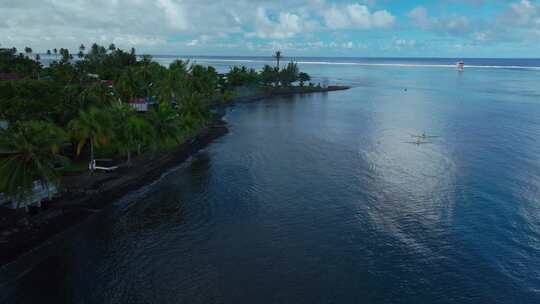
pixel 460 66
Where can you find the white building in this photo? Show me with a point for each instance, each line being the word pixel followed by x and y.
pixel 139 104
pixel 39 193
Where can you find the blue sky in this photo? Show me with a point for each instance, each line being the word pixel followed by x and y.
pixel 445 28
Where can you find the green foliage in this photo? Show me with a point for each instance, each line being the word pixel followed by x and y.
pixel 96 94
pixel 227 96
pixel 20 65
pixel 63 72
pixel 289 74
pixel 202 80
pixel 303 77
pixel 108 65
pixel 174 83
pixel 128 84
pixel 34 100
pixel 241 76
pixel 193 111
pixel 166 124
pixel 130 130
pixel 269 75
pixel 34 146
pixel 89 98
pixel 93 126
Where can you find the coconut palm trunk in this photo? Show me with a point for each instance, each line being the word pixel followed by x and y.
pixel 128 162
pixel 91 156
pixel 278 58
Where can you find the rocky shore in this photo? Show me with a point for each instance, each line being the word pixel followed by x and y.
pixel 85 195
pixel 290 92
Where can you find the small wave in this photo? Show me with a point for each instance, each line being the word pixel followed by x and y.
pixel 375 64
pixel 420 65
pixel 227 60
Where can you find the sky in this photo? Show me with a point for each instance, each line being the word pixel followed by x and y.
pixel 361 28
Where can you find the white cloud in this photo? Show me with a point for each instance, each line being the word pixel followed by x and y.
pixel 139 23
pixel 383 19
pixel 419 17
pixel 401 43
pixel 524 13
pixel 174 13
pixel 454 24
pixel 348 45
pixel 286 26
pixel 193 42
pixel 176 25
pixel 482 37
pixel 357 16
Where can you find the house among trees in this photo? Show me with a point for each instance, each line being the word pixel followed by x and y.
pixel 142 104
pixel 39 193
pixel 93 105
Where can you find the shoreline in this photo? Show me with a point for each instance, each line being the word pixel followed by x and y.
pixel 75 206
pixel 277 93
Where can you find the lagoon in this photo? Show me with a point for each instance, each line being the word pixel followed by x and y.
pixel 321 199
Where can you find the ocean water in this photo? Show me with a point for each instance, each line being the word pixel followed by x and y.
pixel 323 199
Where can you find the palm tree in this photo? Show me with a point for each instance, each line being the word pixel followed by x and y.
pixel 128 84
pixel 48 52
pixel 131 131
pixel 268 75
pixel 66 56
pixel 166 123
pixel 145 71
pixel 138 132
pixel 34 146
pixel 193 112
pixel 172 86
pixel 168 88
pixel 94 48
pixel 180 66
pixel 278 57
pixel 203 80
pixel 112 47
pixel 91 126
pixel 142 131
pixel 55 50
pixel 96 95
pixel 289 74
pixel 28 51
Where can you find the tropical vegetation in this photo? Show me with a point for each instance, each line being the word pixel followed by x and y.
pixel 78 107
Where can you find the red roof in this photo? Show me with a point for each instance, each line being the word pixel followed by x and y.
pixel 137 100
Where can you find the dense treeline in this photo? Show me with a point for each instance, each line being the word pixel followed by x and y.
pixel 82 102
